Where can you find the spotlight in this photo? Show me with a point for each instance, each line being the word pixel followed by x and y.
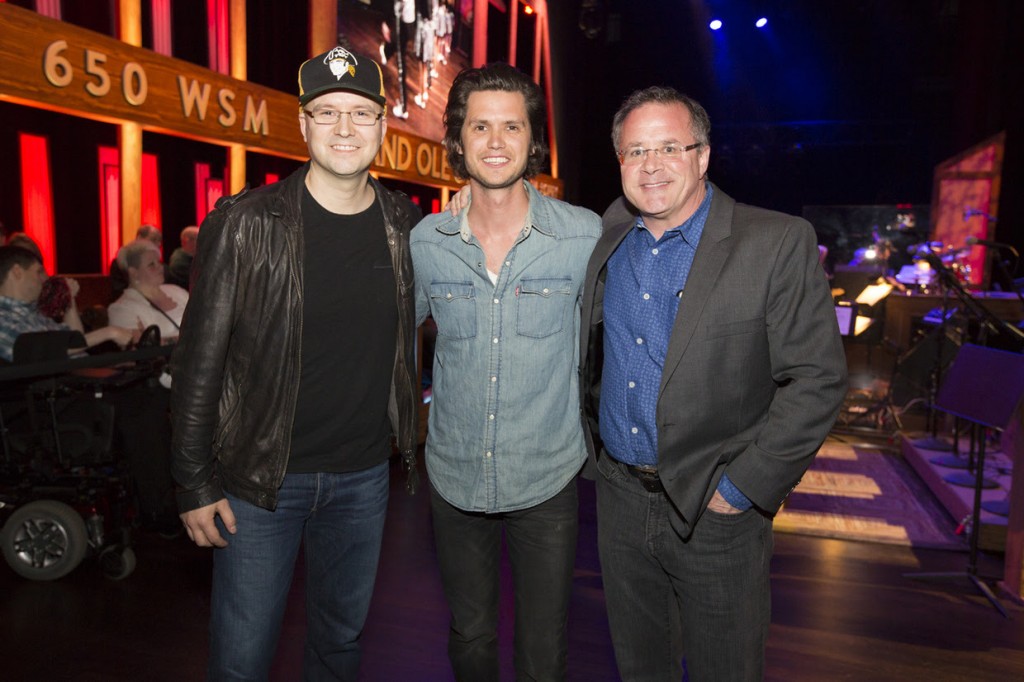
pixel 715 24
pixel 762 22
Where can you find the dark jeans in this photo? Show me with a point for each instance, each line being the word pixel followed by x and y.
pixel 541 544
pixel 706 597
pixel 339 520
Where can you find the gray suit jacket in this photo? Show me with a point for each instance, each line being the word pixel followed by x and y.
pixel 755 371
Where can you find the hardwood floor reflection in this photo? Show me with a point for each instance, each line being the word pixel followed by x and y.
pixel 841 610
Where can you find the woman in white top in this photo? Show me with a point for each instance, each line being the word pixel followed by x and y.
pixel 147 300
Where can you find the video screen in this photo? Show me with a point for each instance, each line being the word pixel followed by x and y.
pixel 421 46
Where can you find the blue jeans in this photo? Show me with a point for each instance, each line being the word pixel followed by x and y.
pixel 339 518
pixel 541 543
pixel 705 597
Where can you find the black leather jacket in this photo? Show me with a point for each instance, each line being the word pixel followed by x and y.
pixel 236 366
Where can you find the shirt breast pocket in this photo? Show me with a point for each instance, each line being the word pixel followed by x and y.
pixel 453 305
pixel 543 306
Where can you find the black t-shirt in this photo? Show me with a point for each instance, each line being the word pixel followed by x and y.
pixel 349 324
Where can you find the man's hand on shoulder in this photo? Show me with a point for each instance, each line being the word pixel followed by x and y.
pixel 201 527
pixel 459 201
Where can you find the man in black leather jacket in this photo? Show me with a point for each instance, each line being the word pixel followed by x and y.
pixel 294 368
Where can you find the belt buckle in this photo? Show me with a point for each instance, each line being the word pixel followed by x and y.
pixel 648 477
pixel 651 483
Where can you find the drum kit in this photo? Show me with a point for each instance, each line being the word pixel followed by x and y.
pixel 915 266
pixel 923 275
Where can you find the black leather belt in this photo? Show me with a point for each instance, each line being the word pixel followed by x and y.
pixel 647 475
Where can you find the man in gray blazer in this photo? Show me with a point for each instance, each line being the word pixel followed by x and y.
pixel 714 368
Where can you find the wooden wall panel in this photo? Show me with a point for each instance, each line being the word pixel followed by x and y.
pixel 69 69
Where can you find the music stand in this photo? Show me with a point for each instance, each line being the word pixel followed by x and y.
pixel 983 386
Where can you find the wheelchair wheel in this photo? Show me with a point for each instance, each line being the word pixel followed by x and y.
pixel 44 540
pixel 117 562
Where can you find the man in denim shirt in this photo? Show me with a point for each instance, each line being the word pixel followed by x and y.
pixel 505 442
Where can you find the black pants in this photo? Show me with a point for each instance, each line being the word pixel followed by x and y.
pixel 706 597
pixel 541 544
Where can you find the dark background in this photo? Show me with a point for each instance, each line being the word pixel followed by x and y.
pixel 837 102
pixel 840 102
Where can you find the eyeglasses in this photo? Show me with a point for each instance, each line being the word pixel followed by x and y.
pixel 635 155
pixel 331 117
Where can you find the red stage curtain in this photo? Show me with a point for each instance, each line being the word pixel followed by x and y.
pixel 110 206
pixel 48 8
pixel 217 28
pixel 202 175
pixel 110 200
pixel 161 26
pixel 151 192
pixel 214 191
pixel 37 196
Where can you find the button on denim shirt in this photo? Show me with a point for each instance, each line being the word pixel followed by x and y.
pixel 505 431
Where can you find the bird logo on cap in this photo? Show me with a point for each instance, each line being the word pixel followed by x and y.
pixel 341 61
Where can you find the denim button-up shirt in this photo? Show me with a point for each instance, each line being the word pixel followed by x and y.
pixel 505 431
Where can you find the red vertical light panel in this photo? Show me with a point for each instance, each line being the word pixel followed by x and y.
pixel 271 178
pixel 202 175
pixel 49 8
pixel 151 214
pixel 214 191
pixel 110 206
pixel 37 196
pixel 217 32
pixel 161 10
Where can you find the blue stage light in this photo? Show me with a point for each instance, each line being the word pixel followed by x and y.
pixel 762 22
pixel 715 24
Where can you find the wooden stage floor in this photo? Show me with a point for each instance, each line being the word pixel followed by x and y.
pixel 841 610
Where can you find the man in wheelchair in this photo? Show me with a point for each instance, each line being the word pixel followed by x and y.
pixel 21 281
pixel 139 403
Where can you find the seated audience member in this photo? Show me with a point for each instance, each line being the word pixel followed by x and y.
pixel 180 266
pixel 21 281
pixel 118 277
pixel 147 300
pixel 153 235
pixel 24 241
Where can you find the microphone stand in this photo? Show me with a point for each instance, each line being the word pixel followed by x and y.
pixel 989 320
pixel 933 442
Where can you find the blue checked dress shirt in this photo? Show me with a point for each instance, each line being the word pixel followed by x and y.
pixel 645 279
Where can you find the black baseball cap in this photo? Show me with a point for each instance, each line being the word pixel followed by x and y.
pixel 340 69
